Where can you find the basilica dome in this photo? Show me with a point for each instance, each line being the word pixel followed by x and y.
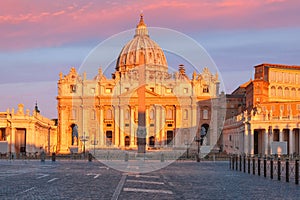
pixel 141 50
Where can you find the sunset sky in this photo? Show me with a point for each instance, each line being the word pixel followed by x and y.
pixel 39 39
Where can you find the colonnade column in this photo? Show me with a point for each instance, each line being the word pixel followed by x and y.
pixel 163 123
pixel 117 126
pixel 291 141
pixel 280 135
pixel 132 126
pixel 121 126
pixel 157 123
pixel 147 122
pixel 101 128
pixel 270 140
pixel 246 139
pixel 266 142
pixel 251 139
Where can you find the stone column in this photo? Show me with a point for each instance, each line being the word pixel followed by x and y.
pixel 178 119
pixel 132 127
pixel 266 142
pixel 117 127
pixel 122 138
pixel 163 123
pixel 280 135
pixel 101 127
pixel 291 141
pixel 246 139
pixel 157 123
pixel 270 140
pixel 251 139
pixel 147 126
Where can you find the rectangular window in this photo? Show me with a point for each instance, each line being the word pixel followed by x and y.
pixel 169 90
pixel 108 90
pixel 185 90
pixel 152 89
pixel 93 90
pixel 73 88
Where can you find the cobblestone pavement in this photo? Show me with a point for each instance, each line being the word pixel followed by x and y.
pixel 93 180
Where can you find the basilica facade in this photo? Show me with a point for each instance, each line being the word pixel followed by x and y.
pixel 103 112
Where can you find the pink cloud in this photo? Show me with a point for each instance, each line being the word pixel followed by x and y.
pixel 48 23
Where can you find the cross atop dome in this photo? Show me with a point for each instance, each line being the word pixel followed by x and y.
pixel 141 28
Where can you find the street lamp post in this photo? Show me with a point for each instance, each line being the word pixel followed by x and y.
pixel 84 139
pixel 94 142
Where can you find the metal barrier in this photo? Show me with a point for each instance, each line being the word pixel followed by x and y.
pixel 284 168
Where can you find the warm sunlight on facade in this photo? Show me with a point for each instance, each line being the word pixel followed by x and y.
pixel 268 112
pixel 105 111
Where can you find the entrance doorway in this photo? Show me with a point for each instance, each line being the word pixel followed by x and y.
pixel 108 138
pixel 20 141
pixel 151 141
pixel 170 137
pixel 127 141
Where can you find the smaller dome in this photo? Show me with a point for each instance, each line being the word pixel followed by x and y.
pixel 141 50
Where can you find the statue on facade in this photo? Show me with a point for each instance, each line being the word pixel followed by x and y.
pixel 267 115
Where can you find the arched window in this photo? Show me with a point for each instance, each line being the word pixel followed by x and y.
pixel 151 114
pixel 293 92
pixel 280 91
pixel 108 114
pixel 185 114
pixel 286 92
pixel 273 91
pixel 127 114
pixel 205 114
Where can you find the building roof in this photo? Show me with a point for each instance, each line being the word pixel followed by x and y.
pixel 297 67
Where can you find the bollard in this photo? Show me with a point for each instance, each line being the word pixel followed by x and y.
pixel 253 165
pixel 162 158
pixel 240 163
pixel 297 172
pixel 90 157
pixel 271 168
pixel 279 169
pixel 265 167
pixel 258 166
pixel 244 160
pixel 249 165
pixel 236 162
pixel 233 162
pixel 53 157
pixel 287 170
pixel 126 157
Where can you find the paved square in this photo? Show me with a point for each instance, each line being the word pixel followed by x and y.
pixel 93 180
